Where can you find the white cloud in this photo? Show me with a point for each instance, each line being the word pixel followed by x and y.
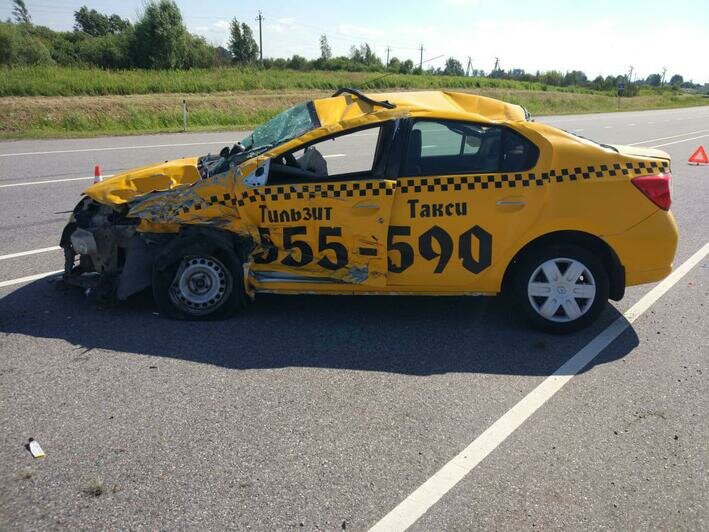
pixel 216 33
pixel 461 3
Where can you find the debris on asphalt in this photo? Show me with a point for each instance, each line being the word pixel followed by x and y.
pixel 94 488
pixel 35 448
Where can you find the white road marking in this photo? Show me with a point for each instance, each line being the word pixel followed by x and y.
pixel 429 146
pixel 425 496
pixel 113 148
pixel 28 279
pixel 679 141
pixel 31 252
pixel 332 156
pixel 631 125
pixel 670 137
pixel 51 181
pixel 578 129
pixel 607 127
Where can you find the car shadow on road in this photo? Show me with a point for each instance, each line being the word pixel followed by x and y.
pixel 407 335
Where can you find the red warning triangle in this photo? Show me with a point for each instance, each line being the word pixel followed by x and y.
pixel 699 156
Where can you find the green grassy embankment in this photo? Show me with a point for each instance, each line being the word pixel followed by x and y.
pixel 60 102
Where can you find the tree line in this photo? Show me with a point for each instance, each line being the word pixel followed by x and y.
pixel 159 40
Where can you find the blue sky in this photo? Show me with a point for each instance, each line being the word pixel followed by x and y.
pixel 598 37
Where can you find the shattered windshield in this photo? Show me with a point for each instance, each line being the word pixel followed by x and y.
pixel 283 127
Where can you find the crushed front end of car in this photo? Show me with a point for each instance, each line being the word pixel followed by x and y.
pixel 104 254
pixel 119 228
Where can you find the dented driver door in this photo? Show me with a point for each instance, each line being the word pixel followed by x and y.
pixel 324 230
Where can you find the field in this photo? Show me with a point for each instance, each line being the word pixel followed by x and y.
pixel 60 102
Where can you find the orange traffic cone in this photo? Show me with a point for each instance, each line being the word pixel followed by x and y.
pixel 97 174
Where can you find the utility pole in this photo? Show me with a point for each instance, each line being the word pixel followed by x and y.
pixel 664 71
pixel 260 39
pixel 388 50
pixel 421 59
pixel 497 65
pixel 630 74
pixel 469 67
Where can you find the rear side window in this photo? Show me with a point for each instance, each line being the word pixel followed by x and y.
pixel 441 147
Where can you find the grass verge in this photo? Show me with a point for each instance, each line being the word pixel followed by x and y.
pixel 68 81
pixel 73 116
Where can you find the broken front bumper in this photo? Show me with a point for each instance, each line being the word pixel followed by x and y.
pixel 104 253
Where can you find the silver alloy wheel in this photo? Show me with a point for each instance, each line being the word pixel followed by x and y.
pixel 201 285
pixel 561 290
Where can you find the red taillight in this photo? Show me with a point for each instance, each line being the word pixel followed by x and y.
pixel 656 188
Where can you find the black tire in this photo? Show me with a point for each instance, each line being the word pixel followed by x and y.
pixel 223 267
pixel 529 306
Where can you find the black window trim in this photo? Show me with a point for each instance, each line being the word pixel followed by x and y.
pixel 408 128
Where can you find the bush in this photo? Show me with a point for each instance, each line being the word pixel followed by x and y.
pixel 32 51
pixel 8 41
pixel 107 51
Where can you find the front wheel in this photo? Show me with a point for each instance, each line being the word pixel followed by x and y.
pixel 560 289
pixel 199 286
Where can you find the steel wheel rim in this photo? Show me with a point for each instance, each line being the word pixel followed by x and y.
pixel 561 290
pixel 200 286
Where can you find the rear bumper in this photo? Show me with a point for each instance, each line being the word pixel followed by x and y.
pixel 647 250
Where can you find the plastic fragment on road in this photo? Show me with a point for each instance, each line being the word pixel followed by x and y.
pixel 699 156
pixel 35 448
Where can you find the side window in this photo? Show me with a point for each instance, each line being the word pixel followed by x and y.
pixel 450 147
pixel 349 156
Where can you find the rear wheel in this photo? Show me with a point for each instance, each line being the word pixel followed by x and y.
pixel 560 289
pixel 200 286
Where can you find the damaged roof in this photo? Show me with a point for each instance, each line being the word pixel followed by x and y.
pixel 447 104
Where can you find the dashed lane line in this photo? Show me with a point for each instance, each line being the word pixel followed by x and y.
pixel 28 279
pixel 48 181
pixel 670 137
pixel 427 494
pixel 114 148
pixel 30 252
pixel 679 141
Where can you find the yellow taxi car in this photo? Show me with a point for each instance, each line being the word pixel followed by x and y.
pixel 411 193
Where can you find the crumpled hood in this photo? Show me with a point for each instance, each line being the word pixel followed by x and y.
pixel 129 185
pixel 641 151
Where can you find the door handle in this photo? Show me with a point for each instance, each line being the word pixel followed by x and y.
pixel 366 204
pixel 511 200
pixel 365 208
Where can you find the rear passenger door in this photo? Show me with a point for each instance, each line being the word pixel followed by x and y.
pixel 464 190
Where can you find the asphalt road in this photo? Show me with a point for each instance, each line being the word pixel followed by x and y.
pixel 327 412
